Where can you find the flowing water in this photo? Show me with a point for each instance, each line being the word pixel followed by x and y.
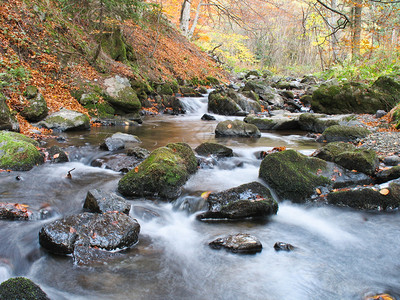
pixel 340 253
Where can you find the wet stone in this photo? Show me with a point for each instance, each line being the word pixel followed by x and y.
pixel 239 243
pixel 280 246
pixel 110 231
pixel 99 201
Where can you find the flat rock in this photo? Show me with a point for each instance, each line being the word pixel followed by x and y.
pixel 66 120
pixel 238 243
pixel 119 141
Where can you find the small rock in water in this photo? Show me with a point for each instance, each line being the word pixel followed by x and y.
pixel 238 243
pixel 380 297
pixel 280 246
pixel 207 117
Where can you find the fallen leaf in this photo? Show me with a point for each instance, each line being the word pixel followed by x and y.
pixel 229 126
pixel 318 191
pixel 384 192
pixel 56 155
pixel 205 195
pixel 136 169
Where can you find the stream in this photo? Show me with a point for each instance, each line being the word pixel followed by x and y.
pixel 340 253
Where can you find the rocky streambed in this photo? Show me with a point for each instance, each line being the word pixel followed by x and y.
pixel 228 191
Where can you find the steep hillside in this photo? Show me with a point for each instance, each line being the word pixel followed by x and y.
pixel 65 53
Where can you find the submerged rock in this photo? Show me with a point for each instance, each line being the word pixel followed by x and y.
pixel 18 152
pixel 251 200
pixel 109 231
pixel 99 201
pixel 119 162
pixel 236 128
pixel 207 117
pixel 206 149
pixel 238 243
pixel 21 288
pixel 14 211
pixel 161 174
pixel 66 120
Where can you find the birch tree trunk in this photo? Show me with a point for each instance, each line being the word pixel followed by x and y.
pixel 184 20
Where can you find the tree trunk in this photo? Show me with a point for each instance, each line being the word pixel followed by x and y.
pixel 100 34
pixel 356 41
pixel 196 19
pixel 184 20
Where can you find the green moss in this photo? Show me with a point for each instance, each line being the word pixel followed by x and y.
pixel 344 133
pixel 220 103
pixel 113 44
pixel 16 153
pixel 212 80
pixel 19 288
pixel 332 150
pixel 101 110
pixel 362 160
pixel 163 173
pixel 293 175
pixel 185 152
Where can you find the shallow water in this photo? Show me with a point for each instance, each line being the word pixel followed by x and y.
pixel 340 253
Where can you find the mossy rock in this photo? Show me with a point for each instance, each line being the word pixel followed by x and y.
pixel 309 122
pixel 293 175
pixel 20 288
pixel 342 133
pixel 367 198
pixel 101 110
pixel 126 99
pixel 7 119
pixel 17 152
pixel 212 81
pixel 362 160
pixel 388 84
pixel 161 174
pixel 206 149
pixel 219 102
pixel 37 105
pixel 89 99
pixel 388 174
pixel 236 128
pixel 276 123
pixel 186 152
pixel 112 43
pixel 350 97
pixel 330 151
pixel 250 200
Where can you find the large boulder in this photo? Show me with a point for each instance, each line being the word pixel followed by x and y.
pixel 264 92
pixel 161 174
pixel 20 288
pixel 337 133
pixel 251 200
pixel 218 150
pixel 121 94
pixel 350 157
pixel 7 120
pixel 293 175
pixel 119 141
pixel 238 243
pixel 99 201
pixel 351 97
pixel 310 122
pixel 66 120
pixel 236 128
pixel 18 152
pixel 274 123
pixel 220 102
pixel 36 109
pixel 229 102
pixel 109 231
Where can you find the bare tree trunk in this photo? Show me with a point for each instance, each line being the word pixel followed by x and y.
pixel 196 19
pixel 356 42
pixel 334 37
pixel 184 20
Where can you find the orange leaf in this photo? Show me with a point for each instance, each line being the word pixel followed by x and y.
pixel 318 191
pixel 136 169
pixel 384 192
pixel 229 126
pixel 205 195
pixel 56 155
